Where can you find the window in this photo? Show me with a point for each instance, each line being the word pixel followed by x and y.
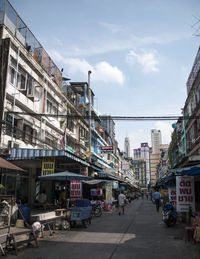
pixel 52 105
pixel 30 87
pixel 34 136
pixel 82 133
pixel 12 75
pixel 27 133
pixel 19 128
pixel 70 124
pixel 22 79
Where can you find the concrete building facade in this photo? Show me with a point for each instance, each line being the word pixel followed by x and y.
pixel 156 140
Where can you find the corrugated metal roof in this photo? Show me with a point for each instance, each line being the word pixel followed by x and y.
pixel 25 153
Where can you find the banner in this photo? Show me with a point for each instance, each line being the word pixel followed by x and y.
pixel 109 193
pixel 185 193
pixel 172 195
pixel 48 165
pixel 75 190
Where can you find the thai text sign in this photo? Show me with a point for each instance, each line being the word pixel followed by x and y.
pixel 106 148
pixel 172 195
pixel 75 189
pixel 185 193
pixel 48 165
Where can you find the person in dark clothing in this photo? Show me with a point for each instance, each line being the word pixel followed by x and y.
pixel 57 195
pixel 157 197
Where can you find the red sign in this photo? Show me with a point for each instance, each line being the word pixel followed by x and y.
pixel 84 171
pixel 106 148
pixel 75 189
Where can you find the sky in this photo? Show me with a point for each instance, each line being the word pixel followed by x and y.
pixel 140 53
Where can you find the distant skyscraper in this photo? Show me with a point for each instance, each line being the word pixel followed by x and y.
pixel 144 152
pixel 156 140
pixel 127 147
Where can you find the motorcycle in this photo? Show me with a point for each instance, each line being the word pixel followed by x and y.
pixel 169 214
pixel 96 209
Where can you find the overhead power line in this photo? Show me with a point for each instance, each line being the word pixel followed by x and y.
pixel 106 117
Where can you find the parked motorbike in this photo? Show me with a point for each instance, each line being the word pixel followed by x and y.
pixel 169 214
pixel 96 209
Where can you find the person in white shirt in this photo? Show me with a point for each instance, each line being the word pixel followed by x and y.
pixel 121 202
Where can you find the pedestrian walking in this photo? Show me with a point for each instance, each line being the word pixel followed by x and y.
pixel 121 202
pixel 147 195
pixel 151 195
pixel 157 197
pixel 142 194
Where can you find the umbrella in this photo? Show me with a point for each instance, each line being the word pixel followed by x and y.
pixel 63 176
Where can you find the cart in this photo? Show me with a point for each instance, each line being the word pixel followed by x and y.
pixel 81 213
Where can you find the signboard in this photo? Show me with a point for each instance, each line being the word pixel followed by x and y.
pixel 109 193
pixel 96 192
pixel 75 189
pixel 115 184
pixel 172 195
pixel 185 193
pixel 125 165
pixel 106 148
pixel 70 149
pixel 48 165
pixel 84 171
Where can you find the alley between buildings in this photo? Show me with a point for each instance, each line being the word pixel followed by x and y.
pixel 140 233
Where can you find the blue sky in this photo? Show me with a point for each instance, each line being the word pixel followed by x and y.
pixel 140 53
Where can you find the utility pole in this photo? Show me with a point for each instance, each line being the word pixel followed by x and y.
pixel 90 103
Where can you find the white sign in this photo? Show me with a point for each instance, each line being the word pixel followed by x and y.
pixel 75 190
pixel 172 195
pixel 185 193
pixel 125 165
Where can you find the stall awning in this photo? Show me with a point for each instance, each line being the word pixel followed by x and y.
pixel 64 176
pixel 28 153
pixel 5 164
pixel 193 170
pixel 104 175
pixel 93 182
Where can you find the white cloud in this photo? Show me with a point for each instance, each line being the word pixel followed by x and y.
pixel 146 60
pixel 112 27
pixel 110 44
pixel 101 71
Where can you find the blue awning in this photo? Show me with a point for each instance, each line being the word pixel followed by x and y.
pixel 25 153
pixel 193 170
pixel 63 176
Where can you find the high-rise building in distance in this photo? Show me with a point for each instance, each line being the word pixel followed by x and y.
pixel 127 147
pixel 156 140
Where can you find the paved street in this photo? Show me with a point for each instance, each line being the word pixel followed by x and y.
pixel 138 234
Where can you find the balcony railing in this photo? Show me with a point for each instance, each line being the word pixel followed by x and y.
pixel 10 18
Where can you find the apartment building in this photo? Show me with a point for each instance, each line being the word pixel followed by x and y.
pixel 37 114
